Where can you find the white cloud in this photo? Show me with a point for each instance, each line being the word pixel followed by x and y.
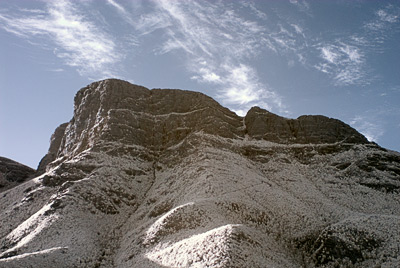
pixel 298 29
pixel 211 77
pixel 352 53
pixel 79 42
pixel 35 11
pixel 345 58
pixel 329 55
pixel 123 12
pixel 117 6
pixel 344 63
pixel 301 58
pixel 205 28
pixel 384 18
pixel 242 86
pixel 372 130
pixel 302 5
pixel 218 43
pixel 253 8
pixel 58 70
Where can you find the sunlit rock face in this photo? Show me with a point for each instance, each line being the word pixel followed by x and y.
pixel 169 178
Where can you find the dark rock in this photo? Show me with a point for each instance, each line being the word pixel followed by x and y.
pixel 350 244
pixel 261 124
pixel 55 142
pixel 381 161
pixel 385 187
pixel 13 173
pixel 113 110
pixel 169 178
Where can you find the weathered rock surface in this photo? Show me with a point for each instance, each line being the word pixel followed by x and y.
pixel 169 178
pixel 316 129
pixel 13 173
pixel 55 142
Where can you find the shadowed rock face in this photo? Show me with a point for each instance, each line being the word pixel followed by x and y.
pixel 115 110
pixel 55 142
pixel 169 178
pixel 13 173
pixel 261 124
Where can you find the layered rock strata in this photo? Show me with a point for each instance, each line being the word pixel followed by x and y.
pixel 169 178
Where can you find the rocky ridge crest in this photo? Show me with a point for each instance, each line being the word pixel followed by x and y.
pixel 113 110
pixel 169 178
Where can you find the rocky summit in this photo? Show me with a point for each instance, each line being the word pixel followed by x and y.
pixel 170 178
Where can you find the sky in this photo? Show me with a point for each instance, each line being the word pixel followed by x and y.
pixel 337 58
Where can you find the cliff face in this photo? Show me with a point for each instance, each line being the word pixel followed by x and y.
pixel 114 110
pixel 315 129
pixel 169 178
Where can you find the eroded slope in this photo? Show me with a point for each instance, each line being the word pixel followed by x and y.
pixel 169 178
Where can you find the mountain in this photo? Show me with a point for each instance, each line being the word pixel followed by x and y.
pixel 13 173
pixel 170 178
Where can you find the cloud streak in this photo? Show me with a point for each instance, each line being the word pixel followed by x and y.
pixel 371 129
pixel 345 63
pixel 79 42
pixel 213 32
pixel 217 43
pixel 117 6
pixel 345 58
pixel 384 18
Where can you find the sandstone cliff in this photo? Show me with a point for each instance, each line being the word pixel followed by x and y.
pixel 169 178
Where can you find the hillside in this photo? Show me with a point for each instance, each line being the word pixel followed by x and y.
pixel 170 178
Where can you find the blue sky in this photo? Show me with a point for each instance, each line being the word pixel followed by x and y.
pixel 336 58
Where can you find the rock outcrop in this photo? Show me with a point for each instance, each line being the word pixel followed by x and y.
pixel 51 155
pixel 169 178
pixel 13 173
pixel 317 129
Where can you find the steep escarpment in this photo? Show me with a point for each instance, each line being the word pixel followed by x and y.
pixel 316 129
pixel 169 178
pixel 55 142
pixel 115 110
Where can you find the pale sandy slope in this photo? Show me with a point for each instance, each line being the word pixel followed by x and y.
pixel 208 202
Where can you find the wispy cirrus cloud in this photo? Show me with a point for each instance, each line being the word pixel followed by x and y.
pixel 345 59
pixel 384 18
pixel 117 6
pixel 212 32
pixel 382 27
pixel 374 123
pixel 217 43
pixel 302 5
pixel 344 62
pixel 240 86
pixel 76 39
pixel 371 129
pixel 123 12
pixel 253 8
